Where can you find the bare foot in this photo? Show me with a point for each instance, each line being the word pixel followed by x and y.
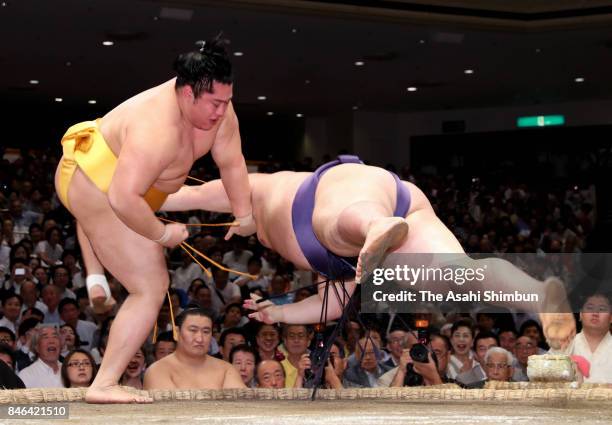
pixel 383 235
pixel 114 394
pixel 99 303
pixel 558 322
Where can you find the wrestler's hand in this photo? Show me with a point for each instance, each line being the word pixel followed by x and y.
pixel 265 311
pixel 246 227
pixel 174 234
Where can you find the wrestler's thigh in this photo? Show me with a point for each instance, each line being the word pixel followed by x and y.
pixel 427 234
pixel 137 262
pixel 344 186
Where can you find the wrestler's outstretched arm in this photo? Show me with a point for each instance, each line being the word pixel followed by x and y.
pixel 305 312
pixel 209 196
pixel 227 154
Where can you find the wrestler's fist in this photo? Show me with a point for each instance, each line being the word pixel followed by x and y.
pixel 246 227
pixel 174 234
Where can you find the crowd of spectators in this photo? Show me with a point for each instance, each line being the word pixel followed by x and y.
pixel 50 336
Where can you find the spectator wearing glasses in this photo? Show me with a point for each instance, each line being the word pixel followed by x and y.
pixel 78 369
pixel 498 364
pixel 525 346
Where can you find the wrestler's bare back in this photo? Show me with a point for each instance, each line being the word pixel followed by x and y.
pixel 273 196
pixel 158 110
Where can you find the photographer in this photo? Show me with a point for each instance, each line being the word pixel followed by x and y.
pixel 411 372
pixel 334 368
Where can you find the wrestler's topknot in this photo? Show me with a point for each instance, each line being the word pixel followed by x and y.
pixel 200 68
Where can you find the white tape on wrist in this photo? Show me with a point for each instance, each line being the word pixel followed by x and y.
pixel 165 237
pixel 99 280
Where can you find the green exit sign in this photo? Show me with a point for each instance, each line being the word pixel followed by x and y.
pixel 540 121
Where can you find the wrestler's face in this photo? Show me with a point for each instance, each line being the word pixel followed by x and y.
pixel 195 335
pixel 208 108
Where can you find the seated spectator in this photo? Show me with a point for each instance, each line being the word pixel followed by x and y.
pixel 233 317
pixel 229 339
pixel 164 346
pixel 396 340
pixel 70 261
pixel 78 369
pixel 70 339
pixel 463 366
pixel 483 341
pixel 225 292
pixel 336 365
pixel 190 367
pixel 132 376
pixel 532 329
pixel 267 339
pixel 433 372
pixel 244 358
pixel 371 331
pixel 191 292
pixel 50 249
pixel 270 374
pixel 279 285
pixel 296 339
pixel 238 258
pixel 246 284
pixel 524 347
pixel 594 342
pixel 11 306
pixel 186 273
pixel 498 364
pixel 30 294
pixel 204 298
pixel 41 276
pixel 45 372
pixel 61 278
pixel 507 339
pixel 69 313
pixel 485 322
pixel 368 368
pixel 50 295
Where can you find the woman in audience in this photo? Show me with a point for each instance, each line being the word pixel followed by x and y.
pixel 132 377
pixel 78 369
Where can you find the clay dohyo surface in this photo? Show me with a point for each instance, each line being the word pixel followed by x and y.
pixel 370 412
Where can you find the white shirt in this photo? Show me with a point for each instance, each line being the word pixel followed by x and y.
pixel 601 365
pixel 183 276
pixel 230 291
pixel 476 373
pixel 8 324
pixel 52 318
pixel 86 331
pixel 237 262
pixel 40 375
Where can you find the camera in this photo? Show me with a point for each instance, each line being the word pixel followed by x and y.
pixel 419 353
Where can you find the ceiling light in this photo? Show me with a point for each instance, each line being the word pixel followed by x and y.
pixel 359 63
pixel 68 63
pixel 261 98
pixel 579 79
pixel 238 54
pixel 108 43
pixel 91 101
pixel 421 41
pixel 59 99
pixel 269 113
pixel 469 71
pixel 538 50
pixel 299 115
pixel 355 107
pixel 294 30
pixel 34 82
pixel 411 89
pixel 307 82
